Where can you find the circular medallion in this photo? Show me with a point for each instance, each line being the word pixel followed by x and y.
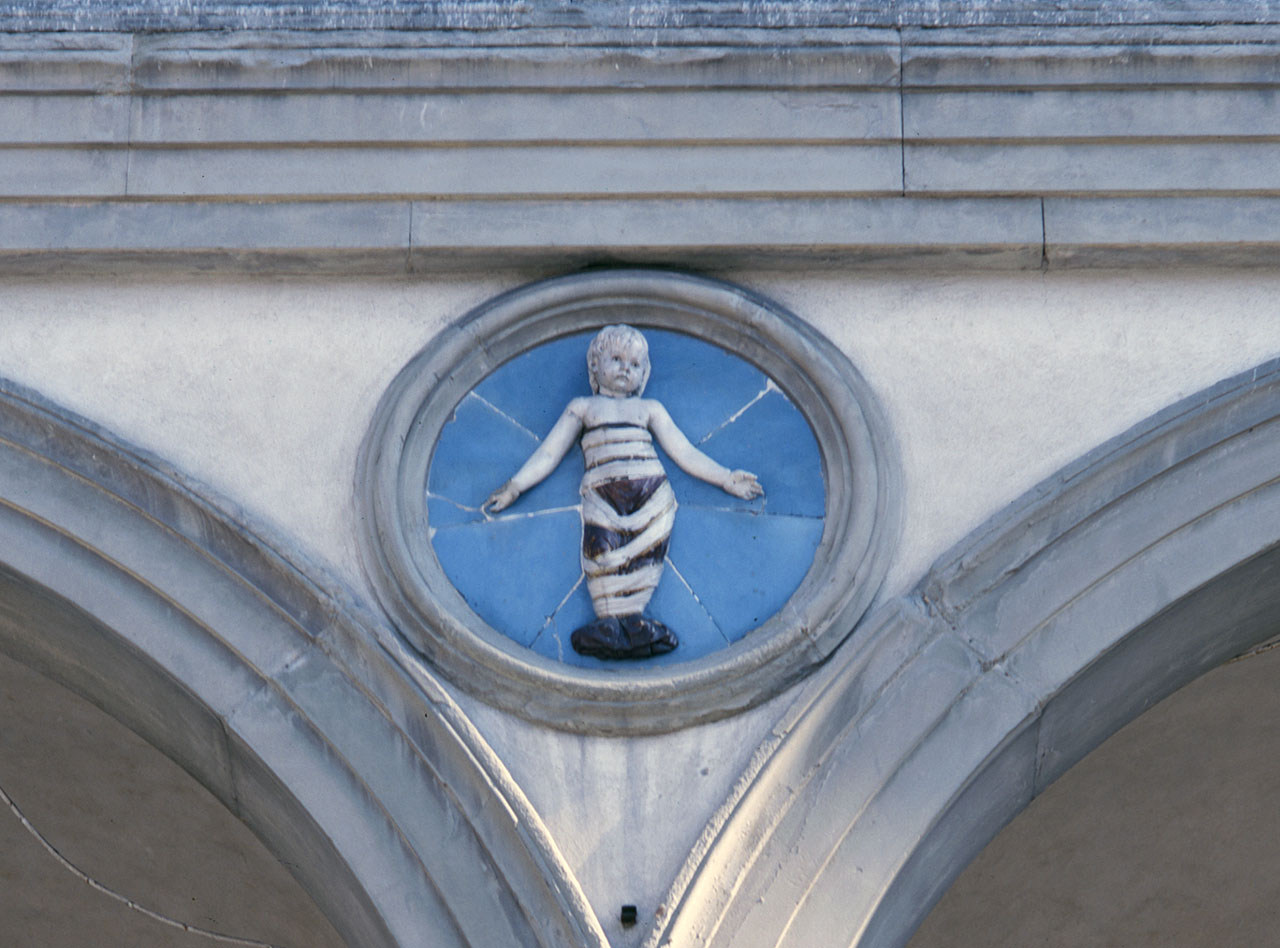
pixel 663 528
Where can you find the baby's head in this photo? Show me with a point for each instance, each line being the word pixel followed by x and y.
pixel 618 361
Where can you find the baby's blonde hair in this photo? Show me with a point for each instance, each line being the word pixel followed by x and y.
pixel 620 337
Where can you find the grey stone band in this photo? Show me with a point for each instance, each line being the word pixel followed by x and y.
pixel 603 14
pixel 699 147
pixel 859 469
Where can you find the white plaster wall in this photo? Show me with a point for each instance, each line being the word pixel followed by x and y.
pixel 992 382
pixel 261 388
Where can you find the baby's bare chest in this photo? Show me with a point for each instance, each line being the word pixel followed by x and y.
pixel 599 411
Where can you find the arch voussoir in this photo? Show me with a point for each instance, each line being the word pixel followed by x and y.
pixel 1115 582
pixel 273 688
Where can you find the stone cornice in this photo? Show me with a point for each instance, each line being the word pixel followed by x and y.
pixel 595 15
pixel 394 151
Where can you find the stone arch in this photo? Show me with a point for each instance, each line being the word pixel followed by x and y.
pixel 284 698
pixel 1123 577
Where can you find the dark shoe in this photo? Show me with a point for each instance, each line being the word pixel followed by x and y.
pixel 631 636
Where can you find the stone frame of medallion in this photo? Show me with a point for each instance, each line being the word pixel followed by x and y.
pixel 859 468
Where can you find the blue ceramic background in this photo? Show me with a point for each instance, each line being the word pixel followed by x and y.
pixel 731 564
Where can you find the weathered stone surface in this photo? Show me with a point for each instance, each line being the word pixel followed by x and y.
pixel 64 119
pixel 518 169
pixel 64 62
pixel 122 227
pixel 562 117
pixel 1175 167
pixel 457 14
pixel 871 231
pixel 46 171
pixel 1090 231
pixel 1046 114
pixel 709 145
pixel 1031 59
pixel 552 60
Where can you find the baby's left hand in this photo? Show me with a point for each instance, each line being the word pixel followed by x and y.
pixel 743 484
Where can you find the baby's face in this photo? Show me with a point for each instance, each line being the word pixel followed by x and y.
pixel 621 370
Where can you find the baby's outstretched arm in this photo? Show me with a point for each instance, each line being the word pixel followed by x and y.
pixel 741 484
pixel 542 462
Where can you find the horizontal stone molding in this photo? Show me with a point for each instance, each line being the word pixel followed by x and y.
pixel 423 236
pixel 438 62
pixel 1092 232
pixel 604 15
pixel 1107 587
pixel 1073 58
pixel 740 146
pixel 283 696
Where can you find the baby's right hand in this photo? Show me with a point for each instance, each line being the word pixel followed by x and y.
pixel 500 499
pixel 743 484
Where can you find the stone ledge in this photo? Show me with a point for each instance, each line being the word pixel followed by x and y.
pixel 974 58
pixel 399 235
pixel 373 236
pixel 1003 232
pixel 338 226
pixel 277 62
pixel 716 146
pixel 1071 58
pixel 1240 231
pixel 1106 169
pixel 603 14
